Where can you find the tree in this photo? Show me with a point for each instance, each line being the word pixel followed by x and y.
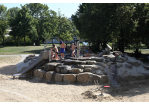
pixel 22 24
pixel 41 16
pixel 105 22
pixel 3 21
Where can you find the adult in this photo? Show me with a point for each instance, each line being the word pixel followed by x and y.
pixel 73 50
pixel 34 43
pixel 56 52
pixel 62 50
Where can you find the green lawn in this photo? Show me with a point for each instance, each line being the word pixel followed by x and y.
pixel 143 51
pixel 12 50
pixel 21 50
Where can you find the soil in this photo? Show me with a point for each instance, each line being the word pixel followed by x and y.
pixel 28 90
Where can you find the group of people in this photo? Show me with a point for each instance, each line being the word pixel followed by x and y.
pixel 62 50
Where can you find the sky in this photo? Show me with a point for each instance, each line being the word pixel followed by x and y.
pixel 66 8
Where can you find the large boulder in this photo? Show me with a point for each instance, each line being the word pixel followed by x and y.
pixel 26 60
pixel 94 77
pixel 88 66
pixel 76 70
pixel 51 66
pixel 146 67
pixel 87 69
pixel 105 56
pixel 123 59
pixel 81 66
pixel 111 57
pixel 64 69
pixel 128 66
pixel 69 78
pixel 99 72
pixel 90 62
pixel 100 54
pixel 103 64
pixel 96 67
pixel 83 77
pixel 32 55
pixel 49 75
pixel 41 73
pixel 104 78
pixel 97 59
pixel 139 77
pixel 107 60
pixel 36 73
pixel 69 62
pixel 105 71
pixel 128 78
pixel 118 65
pixel 80 62
pixel 134 63
pixel 58 77
pixel 119 61
pixel 109 63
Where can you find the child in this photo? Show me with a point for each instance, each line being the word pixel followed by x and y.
pixel 56 52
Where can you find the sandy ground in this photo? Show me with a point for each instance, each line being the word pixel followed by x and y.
pixel 30 90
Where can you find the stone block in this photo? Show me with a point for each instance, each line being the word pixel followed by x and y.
pixel 104 78
pixel 63 69
pixel 87 69
pixel 118 65
pixel 76 70
pixel 32 55
pixel 58 77
pixel 41 73
pixel 97 59
pixel 25 60
pixel 88 66
pixel 139 77
pixel 90 62
pixel 83 77
pixel 49 75
pixel 128 66
pixel 134 63
pixel 51 66
pixel 36 73
pixel 93 77
pixel 69 78
pixel 99 72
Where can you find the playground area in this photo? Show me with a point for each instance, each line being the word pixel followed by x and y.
pixel 33 90
pixel 81 79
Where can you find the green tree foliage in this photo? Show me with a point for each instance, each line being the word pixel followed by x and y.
pixel 108 22
pixel 3 21
pixel 42 20
pixel 22 24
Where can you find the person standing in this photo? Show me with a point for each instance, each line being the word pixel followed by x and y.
pixel 34 43
pixel 73 50
pixel 62 50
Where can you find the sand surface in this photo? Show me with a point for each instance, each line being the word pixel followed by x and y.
pixel 30 90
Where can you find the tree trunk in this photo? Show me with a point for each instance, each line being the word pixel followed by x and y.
pixel 3 40
pixel 104 45
pixel 122 42
pixel 24 40
pixel 38 42
pixel 122 45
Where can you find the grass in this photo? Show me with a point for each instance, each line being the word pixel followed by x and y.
pixel 13 50
pixel 21 50
pixel 143 51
